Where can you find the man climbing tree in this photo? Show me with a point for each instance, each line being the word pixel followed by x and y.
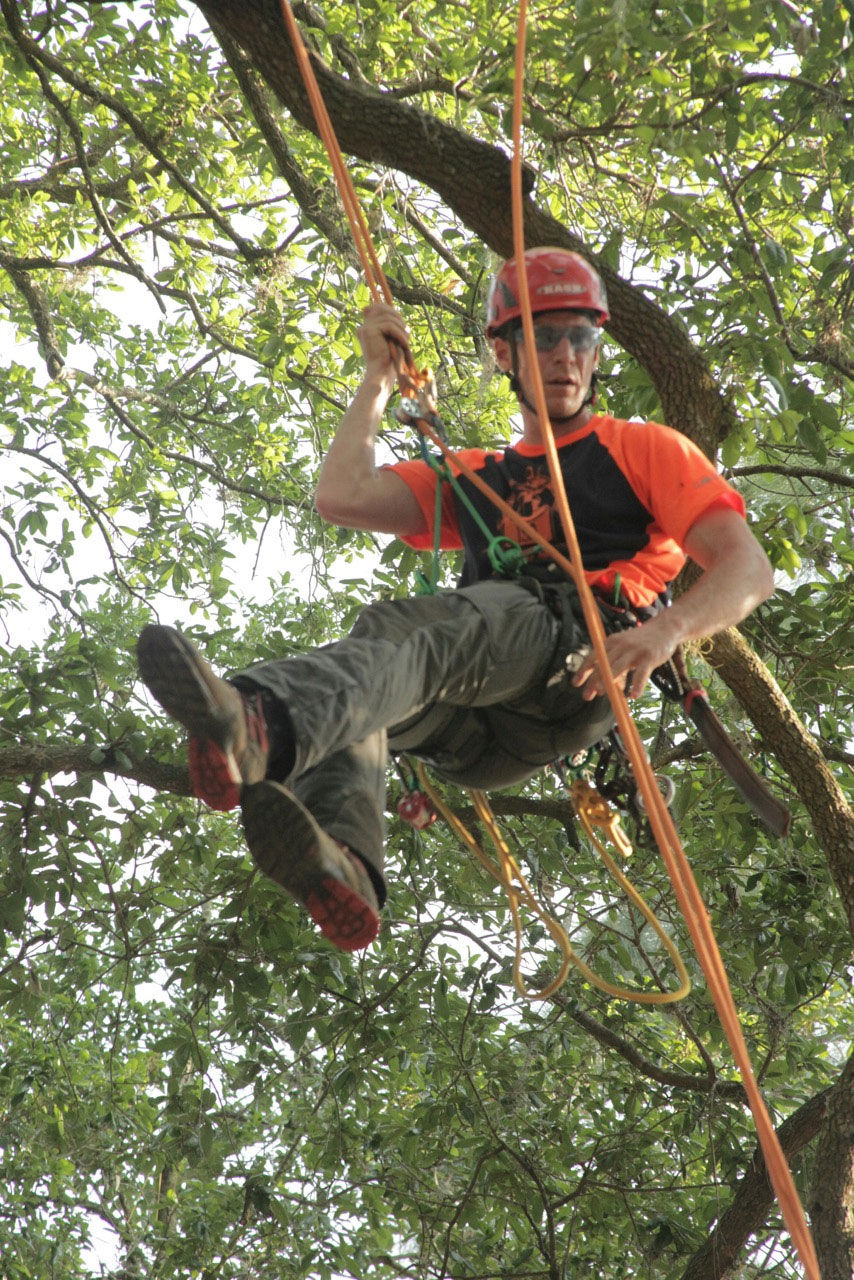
pixel 492 680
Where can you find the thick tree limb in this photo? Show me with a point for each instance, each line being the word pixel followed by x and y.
pixel 754 1198
pixel 22 761
pixel 797 751
pixel 473 177
pixel 832 1200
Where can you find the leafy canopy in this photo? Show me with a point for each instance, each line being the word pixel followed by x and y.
pixel 193 1084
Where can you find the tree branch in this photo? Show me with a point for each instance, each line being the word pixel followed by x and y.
pixel 473 177
pixel 753 1197
pixel 40 312
pixel 310 198
pixel 833 1184
pixel 793 746
pixel 21 761
pixel 796 473
pixel 315 202
pixel 673 1079
pixel 52 353
pixel 36 55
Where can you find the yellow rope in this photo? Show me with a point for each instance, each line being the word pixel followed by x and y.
pixel 593 811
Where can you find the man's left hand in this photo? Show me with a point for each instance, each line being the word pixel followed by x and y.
pixel 633 655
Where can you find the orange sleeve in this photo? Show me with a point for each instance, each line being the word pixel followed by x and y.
pixel 729 501
pixel 672 477
pixel 421 479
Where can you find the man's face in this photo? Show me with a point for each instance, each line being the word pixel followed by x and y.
pixel 567 352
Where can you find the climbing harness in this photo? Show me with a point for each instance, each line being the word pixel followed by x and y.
pixel 415 386
pixel 674 683
pixel 615 781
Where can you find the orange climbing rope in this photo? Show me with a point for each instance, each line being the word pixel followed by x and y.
pixel 679 870
pixel 374 276
pixel 681 876
pixel 413 382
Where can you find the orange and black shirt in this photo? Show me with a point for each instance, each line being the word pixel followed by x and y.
pixel 634 490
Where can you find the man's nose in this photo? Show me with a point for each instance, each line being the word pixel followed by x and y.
pixel 564 350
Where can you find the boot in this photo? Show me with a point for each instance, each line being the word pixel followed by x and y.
pixel 228 735
pixel 328 879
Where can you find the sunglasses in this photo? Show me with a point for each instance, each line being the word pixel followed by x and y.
pixel 582 337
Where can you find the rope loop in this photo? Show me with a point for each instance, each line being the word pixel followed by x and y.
pixel 506 556
pixel 509 875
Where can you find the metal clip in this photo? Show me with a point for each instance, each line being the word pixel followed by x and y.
pixel 409 410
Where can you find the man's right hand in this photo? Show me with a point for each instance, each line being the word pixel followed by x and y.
pixel 380 325
pixel 351 490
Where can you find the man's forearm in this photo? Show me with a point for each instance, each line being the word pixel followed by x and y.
pixel 736 578
pixel 349 467
pixel 722 596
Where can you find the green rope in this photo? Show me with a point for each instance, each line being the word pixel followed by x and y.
pixel 506 556
pixel 427 586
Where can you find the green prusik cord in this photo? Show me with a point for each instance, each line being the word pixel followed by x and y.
pixel 506 556
pixel 427 586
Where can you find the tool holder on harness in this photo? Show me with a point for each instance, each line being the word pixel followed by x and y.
pixel 673 681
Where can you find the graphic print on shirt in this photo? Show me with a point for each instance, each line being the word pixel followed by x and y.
pixel 611 522
pixel 532 497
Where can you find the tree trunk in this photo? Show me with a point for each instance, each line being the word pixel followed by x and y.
pixel 832 1199
pixel 797 751
pixel 753 1198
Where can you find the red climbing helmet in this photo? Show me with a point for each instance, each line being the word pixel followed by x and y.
pixel 558 280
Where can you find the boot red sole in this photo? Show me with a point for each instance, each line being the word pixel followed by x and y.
pixel 343 916
pixel 214 774
pixel 288 846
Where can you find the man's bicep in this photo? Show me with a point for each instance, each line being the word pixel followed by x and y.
pixel 399 507
pixel 721 535
pixel 385 504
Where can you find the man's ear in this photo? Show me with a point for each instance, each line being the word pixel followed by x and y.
pixel 501 350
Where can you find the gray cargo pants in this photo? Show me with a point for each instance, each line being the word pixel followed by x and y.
pixel 473 681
